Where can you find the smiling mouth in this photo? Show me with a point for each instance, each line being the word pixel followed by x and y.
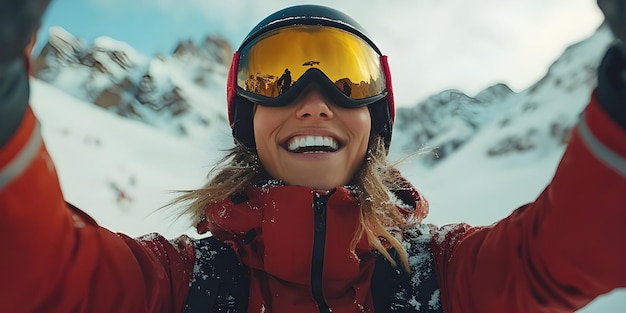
pixel 312 144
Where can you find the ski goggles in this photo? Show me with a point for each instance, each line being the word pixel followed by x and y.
pixel 275 67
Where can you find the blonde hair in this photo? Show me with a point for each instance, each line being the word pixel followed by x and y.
pixel 374 181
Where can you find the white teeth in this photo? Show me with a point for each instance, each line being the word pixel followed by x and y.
pixel 312 141
pixel 319 141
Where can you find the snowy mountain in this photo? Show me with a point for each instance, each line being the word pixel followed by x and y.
pixel 176 93
pixel 447 120
pixel 499 148
pixel 184 92
pixel 546 111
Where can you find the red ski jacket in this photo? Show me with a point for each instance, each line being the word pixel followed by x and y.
pixel 553 255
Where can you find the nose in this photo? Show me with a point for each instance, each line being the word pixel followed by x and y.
pixel 314 106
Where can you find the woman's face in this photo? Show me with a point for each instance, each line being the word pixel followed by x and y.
pixel 312 142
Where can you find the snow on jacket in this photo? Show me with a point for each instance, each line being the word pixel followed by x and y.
pixel 295 245
pixel 553 255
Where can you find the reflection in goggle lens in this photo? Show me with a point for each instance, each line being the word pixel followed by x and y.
pixel 274 62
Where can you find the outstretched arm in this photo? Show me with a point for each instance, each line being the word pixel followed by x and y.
pixel 53 257
pixel 568 247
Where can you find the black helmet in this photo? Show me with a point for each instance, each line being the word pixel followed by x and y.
pixel 240 108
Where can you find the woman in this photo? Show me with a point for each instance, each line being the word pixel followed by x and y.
pixel 305 213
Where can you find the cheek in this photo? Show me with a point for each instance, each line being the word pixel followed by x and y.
pixel 265 123
pixel 360 123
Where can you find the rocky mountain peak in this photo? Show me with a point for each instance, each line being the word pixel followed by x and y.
pixel 213 48
pixel 526 122
pixel 115 76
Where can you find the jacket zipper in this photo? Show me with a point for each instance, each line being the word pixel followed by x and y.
pixel 320 202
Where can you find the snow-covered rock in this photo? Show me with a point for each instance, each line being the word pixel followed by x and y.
pixel 173 93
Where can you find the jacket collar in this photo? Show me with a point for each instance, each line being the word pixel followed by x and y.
pixel 271 228
pixel 410 202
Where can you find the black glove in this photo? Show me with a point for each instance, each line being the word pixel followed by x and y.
pixel 19 19
pixel 615 15
pixel 14 91
pixel 611 90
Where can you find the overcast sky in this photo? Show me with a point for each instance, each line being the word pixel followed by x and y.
pixel 432 44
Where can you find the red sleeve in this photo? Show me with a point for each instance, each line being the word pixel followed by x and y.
pixel 57 259
pixel 556 254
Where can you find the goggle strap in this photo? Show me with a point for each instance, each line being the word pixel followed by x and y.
pixel 231 87
pixel 384 64
pixel 242 122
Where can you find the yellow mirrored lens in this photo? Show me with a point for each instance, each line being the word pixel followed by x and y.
pixel 275 61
